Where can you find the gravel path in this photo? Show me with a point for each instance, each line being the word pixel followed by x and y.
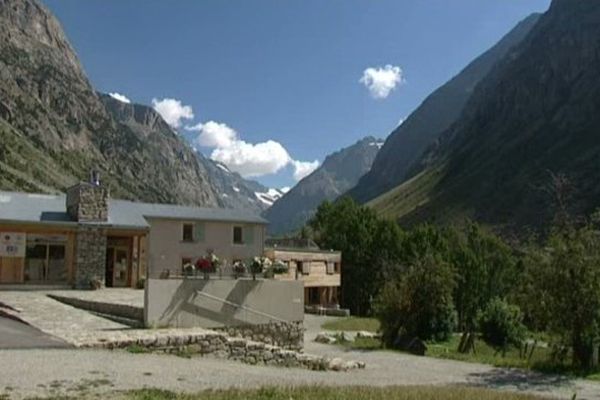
pixel 26 373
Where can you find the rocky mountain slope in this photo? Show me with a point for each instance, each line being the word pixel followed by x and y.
pixel 54 127
pixel 231 190
pixel 339 172
pixel 535 115
pixel 407 143
pixel 234 191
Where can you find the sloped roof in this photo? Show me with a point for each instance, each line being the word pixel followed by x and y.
pixel 50 209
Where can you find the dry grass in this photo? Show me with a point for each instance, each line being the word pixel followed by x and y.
pixel 341 393
pixel 352 324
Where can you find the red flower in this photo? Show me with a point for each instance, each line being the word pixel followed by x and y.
pixel 203 264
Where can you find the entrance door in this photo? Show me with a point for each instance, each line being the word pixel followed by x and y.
pixel 117 266
pixel 35 262
pixel 55 267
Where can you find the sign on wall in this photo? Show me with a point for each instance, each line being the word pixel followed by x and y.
pixel 12 244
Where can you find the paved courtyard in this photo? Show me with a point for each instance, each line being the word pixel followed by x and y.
pixel 78 327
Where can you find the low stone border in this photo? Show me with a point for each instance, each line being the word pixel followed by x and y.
pixel 117 310
pixel 287 335
pixel 219 345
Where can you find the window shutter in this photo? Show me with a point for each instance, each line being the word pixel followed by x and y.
pixel 199 232
pixel 330 267
pixel 248 234
pixel 306 267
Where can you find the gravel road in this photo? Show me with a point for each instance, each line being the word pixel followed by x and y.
pixel 52 371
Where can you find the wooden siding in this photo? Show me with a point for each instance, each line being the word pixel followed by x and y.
pixel 314 263
pixel 11 269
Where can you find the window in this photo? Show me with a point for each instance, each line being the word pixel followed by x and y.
pixel 237 235
pixel 303 267
pixel 188 232
pixel 337 268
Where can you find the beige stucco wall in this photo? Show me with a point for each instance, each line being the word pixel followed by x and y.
pixel 166 247
pixel 178 303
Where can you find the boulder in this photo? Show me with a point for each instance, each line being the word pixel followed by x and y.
pixel 325 338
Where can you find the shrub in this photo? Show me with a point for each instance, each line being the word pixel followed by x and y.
pixel 141 283
pixel 418 303
pixel 501 325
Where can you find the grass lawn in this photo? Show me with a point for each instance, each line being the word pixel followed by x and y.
pixel 540 361
pixel 484 354
pixel 352 324
pixel 487 355
pixel 330 393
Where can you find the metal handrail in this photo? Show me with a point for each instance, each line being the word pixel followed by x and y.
pixel 241 306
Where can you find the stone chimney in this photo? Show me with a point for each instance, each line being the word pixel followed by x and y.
pixel 88 202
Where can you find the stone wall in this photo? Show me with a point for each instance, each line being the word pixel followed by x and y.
pixel 219 345
pixel 87 203
pixel 90 256
pixel 287 335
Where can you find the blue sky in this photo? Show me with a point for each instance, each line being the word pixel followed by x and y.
pixel 275 85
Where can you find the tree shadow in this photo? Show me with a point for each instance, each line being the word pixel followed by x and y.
pixel 521 379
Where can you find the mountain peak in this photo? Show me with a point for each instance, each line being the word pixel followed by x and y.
pixel 28 25
pixel 338 173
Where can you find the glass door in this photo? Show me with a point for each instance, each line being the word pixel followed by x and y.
pixel 56 270
pixel 35 262
pixel 121 266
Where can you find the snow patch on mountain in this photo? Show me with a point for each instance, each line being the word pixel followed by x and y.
pixel 223 167
pixel 269 197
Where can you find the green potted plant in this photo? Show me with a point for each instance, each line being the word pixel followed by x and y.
pixel 279 267
pixel 258 265
pixel 188 269
pixel 239 269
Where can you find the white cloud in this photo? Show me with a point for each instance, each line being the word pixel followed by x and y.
pixel 172 111
pixel 303 168
pixel 214 134
pixel 121 97
pixel 285 189
pixel 252 159
pixel 248 159
pixel 382 80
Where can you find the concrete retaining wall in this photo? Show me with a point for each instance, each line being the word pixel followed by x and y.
pixel 266 310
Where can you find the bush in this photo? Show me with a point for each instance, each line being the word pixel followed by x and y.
pixel 418 303
pixel 501 325
pixel 141 283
